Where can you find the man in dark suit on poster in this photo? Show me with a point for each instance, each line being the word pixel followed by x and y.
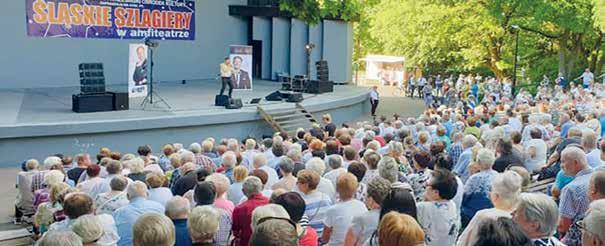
pixel 240 78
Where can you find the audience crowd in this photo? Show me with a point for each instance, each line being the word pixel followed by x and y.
pixel 461 175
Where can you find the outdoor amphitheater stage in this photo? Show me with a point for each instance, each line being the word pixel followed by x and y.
pixel 38 122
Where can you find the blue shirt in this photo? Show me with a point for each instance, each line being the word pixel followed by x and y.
pixel 476 193
pixel 125 217
pixel 461 167
pixel 455 151
pixel 182 233
pixel 574 203
pixel 602 121
pixel 565 128
pixel 448 128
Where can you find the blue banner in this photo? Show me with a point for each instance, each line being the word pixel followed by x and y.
pixel 112 19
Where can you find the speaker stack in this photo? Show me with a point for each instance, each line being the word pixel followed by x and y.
pixel 323 71
pixel 93 97
pixel 323 83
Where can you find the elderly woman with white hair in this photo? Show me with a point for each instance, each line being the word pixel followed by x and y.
pixel 89 228
pixel 24 204
pixel 229 162
pixel 538 215
pixel 221 184
pixel 200 159
pixel 325 185
pixel 593 232
pixel 504 194
pixel 477 188
pixel 137 169
pixel 203 224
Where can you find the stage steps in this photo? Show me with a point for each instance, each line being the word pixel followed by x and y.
pixel 288 120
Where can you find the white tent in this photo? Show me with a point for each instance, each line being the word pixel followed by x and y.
pixel 387 69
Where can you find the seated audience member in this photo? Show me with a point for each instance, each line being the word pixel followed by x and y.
pixel 126 216
pixel 288 181
pixel 574 200
pixel 137 172
pixel 338 217
pixel 221 184
pixel 593 225
pixel 593 154
pixel 477 187
pixel 260 162
pixel 371 159
pixel 508 156
pixel 505 190
pixel 205 194
pixel 177 209
pixel 82 160
pixel 49 212
pixel 157 192
pixel 596 186
pixel 399 229
pixel 501 232
pixel 229 162
pixel 268 211
pixel 295 206
pixel 418 180
pixel 107 203
pixel 153 229
pixel 537 215
pixel 324 185
pixel 202 160
pixel 187 180
pixel 359 170
pixel 316 202
pixel 336 169
pixel 24 204
pixel 89 228
pixel 203 224
pixel 235 193
pixel 60 238
pixel 51 178
pixel 78 204
pixel 438 215
pixel 362 226
pixel 164 162
pixel 274 232
pixel 524 174
pixel 464 159
pixel 535 151
pixel 242 214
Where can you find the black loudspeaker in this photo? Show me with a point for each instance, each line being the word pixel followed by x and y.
pixel 318 87
pixel 120 101
pixel 323 71
pixel 92 78
pixel 275 96
pixel 86 103
pixel 234 104
pixel 294 97
pixel 221 100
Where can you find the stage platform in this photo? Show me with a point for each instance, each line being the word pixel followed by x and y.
pixel 36 122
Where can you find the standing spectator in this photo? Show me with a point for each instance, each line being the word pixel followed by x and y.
pixel 127 216
pixel 477 188
pixel 295 206
pixel 153 229
pixel 438 215
pixel 288 181
pixel 242 214
pixel 177 209
pixel 505 189
pixel 108 202
pixel 461 167
pixel 398 229
pixel 593 231
pixel 537 215
pixel 574 196
pixel 157 191
pixel 203 225
pixel 329 127
pixel 235 193
pixel 316 202
pixel 339 216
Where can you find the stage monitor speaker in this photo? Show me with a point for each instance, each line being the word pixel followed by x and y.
pixel 318 87
pixel 120 101
pixel 255 100
pixel 92 78
pixel 86 103
pixel 234 104
pixel 275 96
pixel 295 97
pixel 221 100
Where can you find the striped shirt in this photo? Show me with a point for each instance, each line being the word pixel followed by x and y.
pixel 317 204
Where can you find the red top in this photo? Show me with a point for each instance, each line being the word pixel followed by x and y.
pixel 310 237
pixel 380 140
pixel 242 218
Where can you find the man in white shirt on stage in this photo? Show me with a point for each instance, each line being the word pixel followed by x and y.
pixel 374 97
